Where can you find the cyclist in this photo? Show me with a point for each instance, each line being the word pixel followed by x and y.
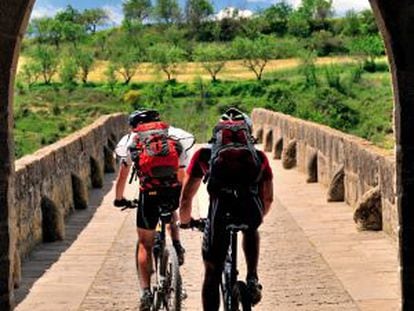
pixel 246 205
pixel 150 194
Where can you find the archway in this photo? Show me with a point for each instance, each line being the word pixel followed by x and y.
pixel 396 23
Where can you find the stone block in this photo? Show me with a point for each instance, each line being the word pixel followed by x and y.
pixel 289 155
pixel 336 190
pixel 368 214
pixel 278 149
pixel 311 165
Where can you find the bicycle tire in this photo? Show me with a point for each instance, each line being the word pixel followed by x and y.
pixel 175 293
pixel 170 297
pixel 241 297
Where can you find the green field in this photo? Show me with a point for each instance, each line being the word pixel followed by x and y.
pixel 342 96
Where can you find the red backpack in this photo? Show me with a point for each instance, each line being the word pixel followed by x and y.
pixel 234 161
pixel 157 154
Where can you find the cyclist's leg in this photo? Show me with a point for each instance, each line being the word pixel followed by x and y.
pixel 253 216
pixel 210 291
pixel 147 219
pixel 215 246
pixel 251 248
pixel 144 256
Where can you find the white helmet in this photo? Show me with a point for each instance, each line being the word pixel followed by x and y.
pixel 234 114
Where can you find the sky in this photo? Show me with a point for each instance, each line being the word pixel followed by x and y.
pixel 114 7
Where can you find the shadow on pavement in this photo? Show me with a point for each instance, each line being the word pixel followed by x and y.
pixel 46 254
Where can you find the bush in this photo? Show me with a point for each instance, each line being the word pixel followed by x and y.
pixel 68 72
pixel 280 98
pixel 335 112
pixel 325 43
pixel 132 98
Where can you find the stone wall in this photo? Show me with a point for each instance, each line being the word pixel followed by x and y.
pixel 54 181
pixel 328 152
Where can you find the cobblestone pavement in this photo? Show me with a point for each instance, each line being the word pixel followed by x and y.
pixel 296 271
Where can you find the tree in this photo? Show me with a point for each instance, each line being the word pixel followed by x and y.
pixel 137 10
pixel 92 18
pixel 47 59
pixel 46 30
pixel 197 11
pixel 68 71
pixel 368 48
pixel 127 65
pixel 255 54
pixel 368 24
pixel 317 9
pixel 298 25
pixel 73 33
pixel 167 11
pixel 31 72
pixel 212 58
pixel 69 14
pixel 277 17
pixel 352 24
pixel 85 61
pixel 110 76
pixel 166 58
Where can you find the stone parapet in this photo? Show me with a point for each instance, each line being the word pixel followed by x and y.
pixel 54 181
pixel 365 166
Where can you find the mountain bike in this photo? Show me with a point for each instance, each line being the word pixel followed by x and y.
pixel 234 292
pixel 167 282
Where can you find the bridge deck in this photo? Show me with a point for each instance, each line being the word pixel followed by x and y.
pixel 312 258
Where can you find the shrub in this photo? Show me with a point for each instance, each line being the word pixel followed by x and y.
pixel 280 98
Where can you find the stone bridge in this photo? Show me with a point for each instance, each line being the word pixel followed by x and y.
pixel 313 256
pixel 396 22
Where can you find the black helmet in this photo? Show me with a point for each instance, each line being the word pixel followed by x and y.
pixel 234 114
pixel 143 116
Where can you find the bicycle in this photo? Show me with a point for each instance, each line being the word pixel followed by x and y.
pixel 167 284
pixel 234 292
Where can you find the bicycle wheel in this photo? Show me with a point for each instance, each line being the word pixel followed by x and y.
pixel 167 295
pixel 174 296
pixel 240 297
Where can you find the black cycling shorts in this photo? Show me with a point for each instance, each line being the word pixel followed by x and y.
pixel 247 210
pixel 150 202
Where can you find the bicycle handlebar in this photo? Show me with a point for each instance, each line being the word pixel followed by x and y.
pixel 197 224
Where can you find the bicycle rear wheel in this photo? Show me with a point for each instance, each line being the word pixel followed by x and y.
pixel 168 295
pixel 240 297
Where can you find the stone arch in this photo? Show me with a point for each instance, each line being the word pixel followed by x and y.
pixel 289 155
pixel 278 149
pixel 312 165
pixel 268 143
pixel 112 141
pixel 80 192
pixel 109 160
pixel 259 135
pixel 53 224
pixel 96 173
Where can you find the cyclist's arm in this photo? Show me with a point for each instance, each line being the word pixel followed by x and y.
pixel 190 187
pixel 266 194
pixel 121 180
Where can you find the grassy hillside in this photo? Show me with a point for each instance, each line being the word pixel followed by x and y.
pixel 187 72
pixel 342 96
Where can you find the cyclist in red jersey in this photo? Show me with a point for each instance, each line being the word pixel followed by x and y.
pixel 249 207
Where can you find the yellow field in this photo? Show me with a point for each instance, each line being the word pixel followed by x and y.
pixel 233 70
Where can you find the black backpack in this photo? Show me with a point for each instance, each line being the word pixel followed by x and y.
pixel 234 163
